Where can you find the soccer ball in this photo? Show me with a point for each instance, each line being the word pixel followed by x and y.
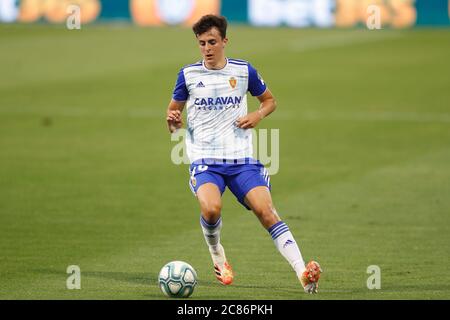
pixel 177 279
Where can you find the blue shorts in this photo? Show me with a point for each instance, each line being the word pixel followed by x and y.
pixel 240 175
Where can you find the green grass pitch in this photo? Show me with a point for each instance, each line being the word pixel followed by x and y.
pixel 86 177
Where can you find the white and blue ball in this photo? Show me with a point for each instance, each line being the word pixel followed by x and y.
pixel 177 279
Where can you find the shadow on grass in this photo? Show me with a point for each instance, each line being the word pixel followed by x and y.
pixel 136 278
pixel 274 289
pixel 214 288
pixel 142 278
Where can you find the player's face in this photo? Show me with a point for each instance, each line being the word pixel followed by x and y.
pixel 212 46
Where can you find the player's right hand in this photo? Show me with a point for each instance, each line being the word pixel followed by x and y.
pixel 174 120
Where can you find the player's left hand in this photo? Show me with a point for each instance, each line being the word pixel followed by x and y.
pixel 249 121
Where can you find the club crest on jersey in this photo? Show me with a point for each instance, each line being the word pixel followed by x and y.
pixel 193 181
pixel 233 82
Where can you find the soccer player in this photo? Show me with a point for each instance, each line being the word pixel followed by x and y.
pixel 219 146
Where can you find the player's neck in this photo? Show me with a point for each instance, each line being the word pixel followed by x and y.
pixel 218 65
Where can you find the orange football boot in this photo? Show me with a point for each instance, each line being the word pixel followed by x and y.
pixel 225 276
pixel 310 277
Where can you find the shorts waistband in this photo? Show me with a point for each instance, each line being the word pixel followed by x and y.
pixel 212 161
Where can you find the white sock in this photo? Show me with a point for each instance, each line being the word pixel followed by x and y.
pixel 211 232
pixel 285 243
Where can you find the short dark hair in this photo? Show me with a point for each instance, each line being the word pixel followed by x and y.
pixel 210 21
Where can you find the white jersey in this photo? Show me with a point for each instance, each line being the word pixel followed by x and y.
pixel 215 99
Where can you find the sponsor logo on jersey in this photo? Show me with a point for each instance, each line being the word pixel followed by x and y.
pixel 223 101
pixel 200 85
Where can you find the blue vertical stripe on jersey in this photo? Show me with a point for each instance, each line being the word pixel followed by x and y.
pixel 180 93
pixel 255 85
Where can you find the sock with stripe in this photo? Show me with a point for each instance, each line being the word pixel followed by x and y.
pixel 211 232
pixel 285 243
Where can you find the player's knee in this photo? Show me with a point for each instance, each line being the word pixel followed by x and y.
pixel 211 210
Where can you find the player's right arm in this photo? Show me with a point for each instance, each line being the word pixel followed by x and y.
pixel 174 119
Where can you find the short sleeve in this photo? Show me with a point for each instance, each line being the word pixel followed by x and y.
pixel 256 84
pixel 180 93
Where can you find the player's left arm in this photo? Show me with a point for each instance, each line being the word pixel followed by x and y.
pixel 267 106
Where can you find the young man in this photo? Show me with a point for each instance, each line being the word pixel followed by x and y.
pixel 219 146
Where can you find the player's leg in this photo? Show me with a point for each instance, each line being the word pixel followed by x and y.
pixel 260 201
pixel 209 198
pixel 210 201
pixel 251 185
pixel 208 186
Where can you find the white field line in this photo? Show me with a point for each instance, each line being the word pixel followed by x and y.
pixel 365 116
pixel 153 112
pixel 83 112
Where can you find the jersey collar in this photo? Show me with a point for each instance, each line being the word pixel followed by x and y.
pixel 204 66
